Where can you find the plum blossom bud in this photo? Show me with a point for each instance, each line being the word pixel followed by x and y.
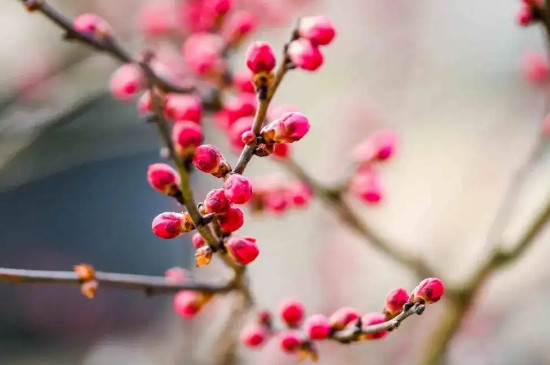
pixel 535 68
pixel 291 311
pixel 237 130
pixel 342 317
pixel 248 138
pixel 379 146
pixel 231 220
pixel 395 300
pixel 238 189
pixel 371 319
pixel 281 151
pixel 145 104
pixel 216 202
pixel 244 250
pixel 429 290
pixel 305 54
pixel 198 240
pixel 254 336
pixel 203 256
pixel 92 25
pixel 217 7
pixel 525 16
pixel 175 275
pixel 163 178
pixel 183 107
pixel 209 159
pixel 187 136
pixel 367 186
pixel 300 194
pixel 290 340
pixel 244 105
pixel 238 25
pixel 317 327
pixel 318 29
pixel 290 127
pixel 157 18
pixel 203 53
pixel 170 225
pixel 188 303
pixel 242 81
pixel 260 58
pixel 126 81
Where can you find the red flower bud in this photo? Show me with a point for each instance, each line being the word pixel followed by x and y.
pixel 300 194
pixel 209 159
pixel 305 54
pixel 187 136
pixel 183 107
pixel 317 327
pixel 290 127
pixel 429 290
pixel 126 81
pixel 231 220
pixel 198 240
pixel 216 202
pixel 242 249
pixel 237 130
pixel 92 25
pixel 170 225
pixel 380 146
pixel 342 317
pixel 242 81
pixel 238 189
pixel 290 340
pixel 367 186
pixel 248 137
pixel 188 303
pixel 318 29
pixel 535 68
pixel 292 312
pixel 254 336
pixel 244 105
pixel 281 151
pixel 238 25
pixel 370 319
pixel 260 57
pixel 395 300
pixel 217 7
pixel 525 16
pixel 163 178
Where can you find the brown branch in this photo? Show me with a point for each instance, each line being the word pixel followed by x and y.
pixel 105 44
pixel 150 285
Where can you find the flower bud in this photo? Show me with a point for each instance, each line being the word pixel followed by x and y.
pixel 395 300
pixel 317 327
pixel 263 318
pixel 217 7
pixel 305 54
pixel 203 53
pixel 188 303
pixel 236 131
pixel 342 317
pixel 535 68
pixel 318 29
pixel 238 25
pixel 290 340
pixel 203 256
pixel 290 127
pixel 231 220
pixel 370 319
pixel 209 159
pixel 145 104
pixel 260 58
pixel 525 16
pixel 248 137
pixel 242 249
pixel 92 25
pixel 170 225
pixel 187 136
pixel 216 202
pixel 281 151
pixel 380 146
pixel 242 81
pixel 300 194
pixel 428 291
pixel 244 105
pixel 254 336
pixel 126 81
pixel 292 312
pixel 183 107
pixel 156 18
pixel 198 240
pixel 367 186
pixel 163 178
pixel 175 275
pixel 237 188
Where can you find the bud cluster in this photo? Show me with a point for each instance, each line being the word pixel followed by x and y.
pixel 277 195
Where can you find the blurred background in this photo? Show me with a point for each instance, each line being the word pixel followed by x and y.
pixel 446 76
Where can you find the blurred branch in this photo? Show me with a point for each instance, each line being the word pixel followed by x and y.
pixel 335 200
pixel 150 285
pixel 105 44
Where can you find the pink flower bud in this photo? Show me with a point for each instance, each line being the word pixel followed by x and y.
pixel 188 303
pixel 281 151
pixel 238 25
pixel 342 317
pixel 163 178
pixel 260 57
pixel 216 202
pixel 371 319
pixel 187 136
pixel 198 240
pixel 231 220
pixel 254 336
pixel 236 131
pixel 170 225
pixel 203 53
pixel 248 137
pixel 291 311
pixel 244 105
pixel 524 16
pixel 395 300
pixel 175 275
pixel 380 146
pixel 290 127
pixel 92 25
pixel 209 159
pixel 367 186
pixel 244 250
pixel 145 104
pixel 183 107
pixel 217 7
pixel 305 54
pixel 157 18
pixel 276 201
pixel 317 327
pixel 535 67
pixel 126 81
pixel 242 81
pixel 429 290
pixel 318 29
pixel 290 340
pixel 237 189
pixel 300 194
